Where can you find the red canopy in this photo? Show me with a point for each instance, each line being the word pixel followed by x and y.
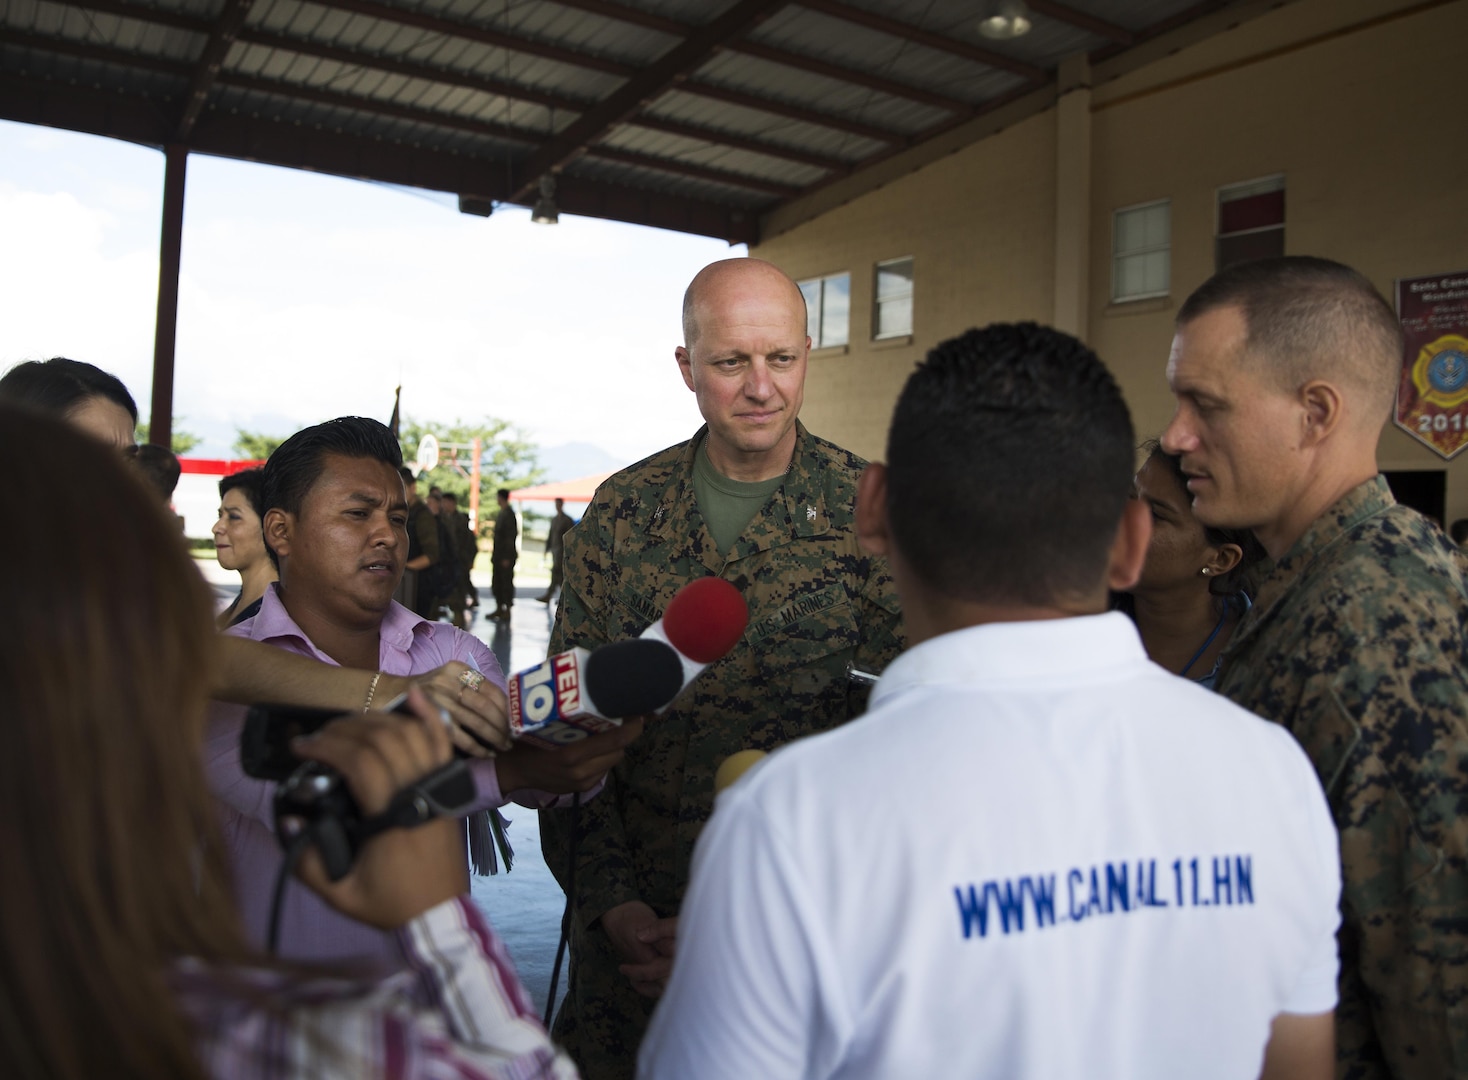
pixel 578 490
pixel 215 466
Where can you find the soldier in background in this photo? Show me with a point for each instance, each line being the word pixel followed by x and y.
pixel 506 537
pixel 466 546
pixel 756 499
pixel 555 542
pixel 424 552
pixel 1285 373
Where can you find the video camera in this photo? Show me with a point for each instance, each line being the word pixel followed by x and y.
pixel 312 801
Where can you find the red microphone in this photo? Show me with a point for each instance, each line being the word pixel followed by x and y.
pixel 703 622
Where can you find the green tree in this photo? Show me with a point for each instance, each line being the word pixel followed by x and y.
pixel 507 458
pixel 181 442
pixel 253 446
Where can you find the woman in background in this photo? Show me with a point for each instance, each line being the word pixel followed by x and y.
pixel 121 952
pixel 239 544
pixel 1195 583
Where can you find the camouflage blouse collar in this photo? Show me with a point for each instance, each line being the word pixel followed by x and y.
pixel 1361 503
pixel 803 496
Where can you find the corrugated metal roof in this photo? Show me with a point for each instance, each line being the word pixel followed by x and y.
pixel 691 114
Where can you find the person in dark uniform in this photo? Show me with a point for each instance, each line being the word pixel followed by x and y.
pixel 555 543
pixel 456 523
pixel 424 552
pixel 506 533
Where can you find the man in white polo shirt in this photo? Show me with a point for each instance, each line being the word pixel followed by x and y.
pixel 1038 854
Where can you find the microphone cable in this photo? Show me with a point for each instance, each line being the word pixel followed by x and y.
pixel 288 864
pixel 550 1000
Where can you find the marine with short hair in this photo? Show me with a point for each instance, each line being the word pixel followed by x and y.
pixel 1285 373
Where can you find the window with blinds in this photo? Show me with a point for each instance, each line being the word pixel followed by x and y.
pixel 1141 251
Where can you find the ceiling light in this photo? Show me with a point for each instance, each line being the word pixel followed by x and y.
pixel 1008 19
pixel 546 211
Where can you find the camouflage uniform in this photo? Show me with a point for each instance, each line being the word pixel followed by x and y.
pixel 816 603
pixel 1355 644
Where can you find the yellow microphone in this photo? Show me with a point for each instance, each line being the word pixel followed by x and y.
pixel 735 766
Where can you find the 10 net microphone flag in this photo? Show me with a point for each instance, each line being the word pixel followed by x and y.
pixel 578 693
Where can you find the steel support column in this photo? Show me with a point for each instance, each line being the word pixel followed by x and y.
pixel 170 249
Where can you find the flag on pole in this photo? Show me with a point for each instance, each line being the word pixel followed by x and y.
pixel 397 401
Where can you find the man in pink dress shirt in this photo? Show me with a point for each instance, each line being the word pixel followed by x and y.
pixel 335 524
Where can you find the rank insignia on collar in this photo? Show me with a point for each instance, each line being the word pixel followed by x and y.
pixel 657 515
pixel 810 513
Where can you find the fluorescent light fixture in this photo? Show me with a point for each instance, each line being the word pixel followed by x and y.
pixel 1008 19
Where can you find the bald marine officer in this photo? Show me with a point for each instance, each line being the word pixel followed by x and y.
pixel 754 498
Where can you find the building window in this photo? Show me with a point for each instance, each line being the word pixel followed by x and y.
pixel 828 310
pixel 1251 222
pixel 1141 255
pixel 893 315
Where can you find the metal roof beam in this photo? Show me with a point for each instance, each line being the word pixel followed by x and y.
pixel 635 16
pixel 211 60
pixel 409 69
pixel 372 107
pixel 737 142
pixel 481 34
pixel 579 196
pixel 100 53
pixel 449 77
pixel 1064 13
pixel 849 75
pixel 790 112
pixel 672 68
pixel 103 54
pixel 540 97
pixel 299 91
pixel 697 172
pixel 623 13
pixel 1193 14
pixel 932 40
pixel 136 118
pixel 157 16
pixel 58 103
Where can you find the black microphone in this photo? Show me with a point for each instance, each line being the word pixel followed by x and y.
pixel 577 693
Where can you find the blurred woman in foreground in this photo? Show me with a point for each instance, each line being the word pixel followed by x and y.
pixel 121 953
pixel 239 544
pixel 1193 589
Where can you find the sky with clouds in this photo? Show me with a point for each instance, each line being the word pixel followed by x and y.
pixel 304 297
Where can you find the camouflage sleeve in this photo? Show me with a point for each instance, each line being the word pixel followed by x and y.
pixel 603 874
pixel 881 631
pixel 1385 729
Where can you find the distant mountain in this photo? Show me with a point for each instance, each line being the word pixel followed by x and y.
pixel 570 461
